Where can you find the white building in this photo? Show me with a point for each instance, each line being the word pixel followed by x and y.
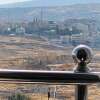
pixel 78 37
pixel 20 30
pixel 65 39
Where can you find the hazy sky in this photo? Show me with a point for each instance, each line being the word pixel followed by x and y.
pixel 83 1
pixel 11 1
pixel 66 1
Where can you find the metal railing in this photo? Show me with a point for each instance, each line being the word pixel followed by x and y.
pixel 81 76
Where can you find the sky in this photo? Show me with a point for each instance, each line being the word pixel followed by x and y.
pixel 11 1
pixel 83 1
pixel 68 1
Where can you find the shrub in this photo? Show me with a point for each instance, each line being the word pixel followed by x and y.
pixel 18 96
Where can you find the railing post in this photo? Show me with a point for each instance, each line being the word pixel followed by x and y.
pixel 81 90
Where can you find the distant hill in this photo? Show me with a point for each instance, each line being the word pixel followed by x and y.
pixel 38 3
pixel 32 9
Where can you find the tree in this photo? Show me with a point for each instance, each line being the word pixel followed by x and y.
pixel 18 96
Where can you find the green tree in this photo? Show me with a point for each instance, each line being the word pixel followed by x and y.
pixel 18 96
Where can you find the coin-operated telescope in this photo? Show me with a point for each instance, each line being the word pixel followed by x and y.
pixel 82 55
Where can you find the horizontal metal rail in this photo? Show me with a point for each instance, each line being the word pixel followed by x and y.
pixel 49 76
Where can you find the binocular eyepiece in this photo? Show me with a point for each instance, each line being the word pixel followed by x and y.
pixel 82 53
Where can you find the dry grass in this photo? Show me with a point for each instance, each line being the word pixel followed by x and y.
pixel 21 52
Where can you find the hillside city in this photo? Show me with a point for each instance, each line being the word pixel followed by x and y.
pixel 64 33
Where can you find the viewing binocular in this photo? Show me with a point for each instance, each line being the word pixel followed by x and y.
pixel 82 53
